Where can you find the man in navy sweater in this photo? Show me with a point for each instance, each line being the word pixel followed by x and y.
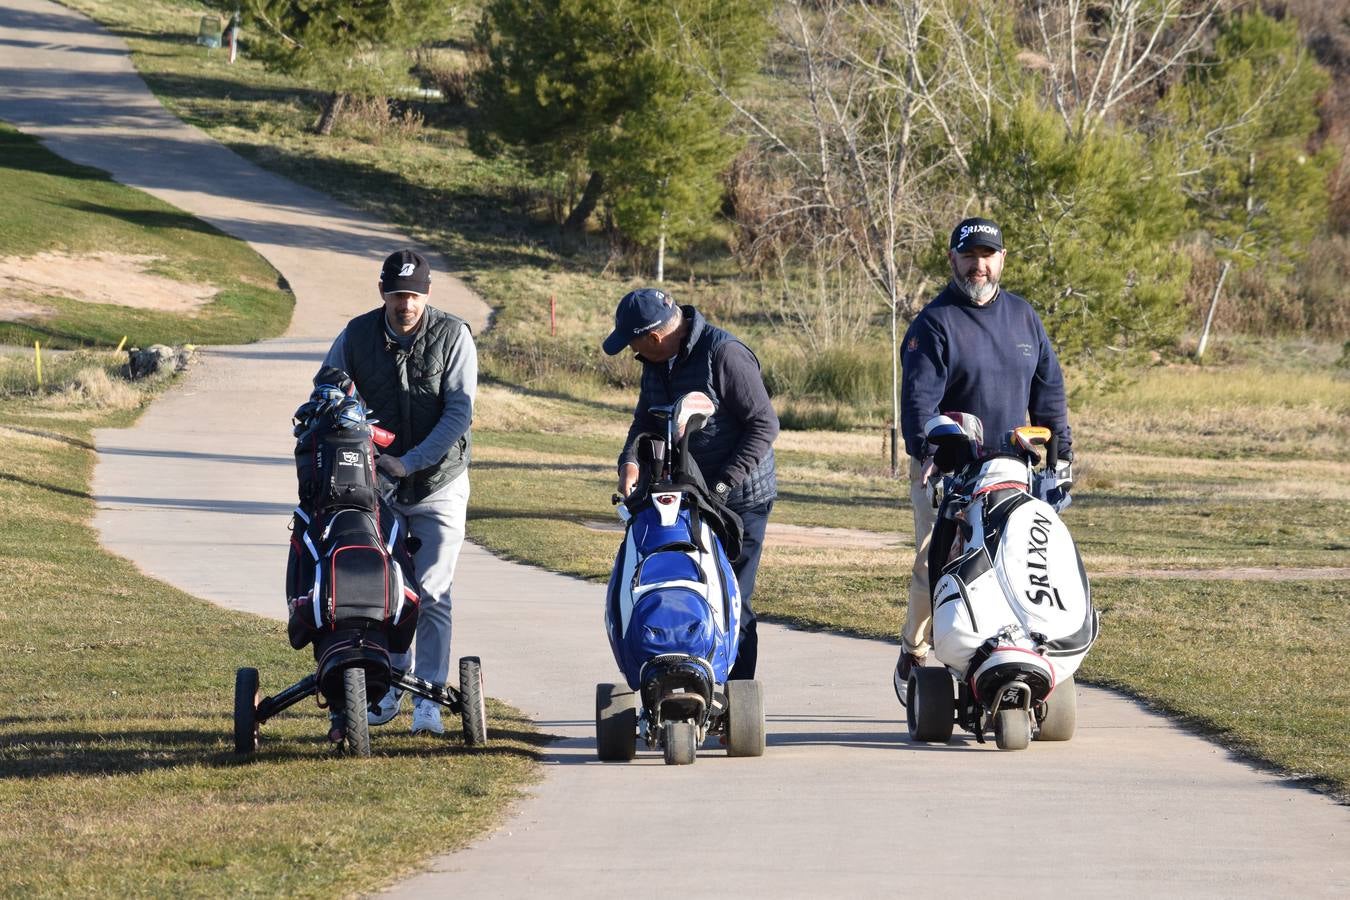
pixel 680 352
pixel 975 348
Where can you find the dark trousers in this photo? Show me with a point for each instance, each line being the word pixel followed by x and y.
pixel 755 520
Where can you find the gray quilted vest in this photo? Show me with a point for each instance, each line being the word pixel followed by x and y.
pixel 403 389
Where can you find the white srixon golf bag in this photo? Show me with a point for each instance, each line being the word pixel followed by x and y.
pixel 1016 598
pixel 1012 609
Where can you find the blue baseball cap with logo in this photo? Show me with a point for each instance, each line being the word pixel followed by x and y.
pixel 639 312
pixel 976 233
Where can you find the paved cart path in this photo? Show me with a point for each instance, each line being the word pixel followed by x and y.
pixel 197 493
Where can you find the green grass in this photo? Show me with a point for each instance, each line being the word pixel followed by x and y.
pixel 55 206
pixel 117 770
pixel 1189 467
pixel 1257 663
pixel 1199 487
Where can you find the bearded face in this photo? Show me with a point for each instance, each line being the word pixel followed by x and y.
pixel 403 310
pixel 976 272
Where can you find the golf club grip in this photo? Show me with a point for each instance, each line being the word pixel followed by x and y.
pixel 381 437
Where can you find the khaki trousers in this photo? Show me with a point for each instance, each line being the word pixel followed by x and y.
pixel 916 636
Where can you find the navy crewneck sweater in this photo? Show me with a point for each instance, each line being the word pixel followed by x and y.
pixel 994 361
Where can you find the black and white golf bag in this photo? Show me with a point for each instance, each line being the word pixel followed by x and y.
pixel 1012 602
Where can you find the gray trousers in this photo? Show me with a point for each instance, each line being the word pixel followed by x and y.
pixel 438 522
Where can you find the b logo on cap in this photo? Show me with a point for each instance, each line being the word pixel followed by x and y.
pixel 408 269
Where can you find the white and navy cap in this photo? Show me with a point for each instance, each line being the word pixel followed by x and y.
pixel 639 312
pixel 976 233
pixel 405 271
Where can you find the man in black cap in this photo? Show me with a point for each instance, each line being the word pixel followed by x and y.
pixel 416 368
pixel 680 353
pixel 975 348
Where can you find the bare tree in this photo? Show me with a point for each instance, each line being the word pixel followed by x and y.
pixel 857 161
pixel 870 160
pixel 1100 57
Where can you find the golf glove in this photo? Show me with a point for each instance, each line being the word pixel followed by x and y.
pixel 392 465
pixel 1053 487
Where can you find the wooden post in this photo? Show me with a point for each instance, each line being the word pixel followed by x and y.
pixel 37 361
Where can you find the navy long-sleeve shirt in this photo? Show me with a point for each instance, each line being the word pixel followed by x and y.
pixel 994 361
pixel 739 386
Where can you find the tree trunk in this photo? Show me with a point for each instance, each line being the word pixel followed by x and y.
pixel 1213 302
pixel 576 219
pixel 661 251
pixel 331 109
pixel 895 383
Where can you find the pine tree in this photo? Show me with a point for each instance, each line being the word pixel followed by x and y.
pixel 1255 187
pixel 343 47
pixel 1091 230
pixel 617 94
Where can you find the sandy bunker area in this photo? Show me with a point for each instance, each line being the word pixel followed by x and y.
pixel 111 278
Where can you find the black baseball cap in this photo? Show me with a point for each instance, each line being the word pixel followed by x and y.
pixel 639 312
pixel 976 233
pixel 405 271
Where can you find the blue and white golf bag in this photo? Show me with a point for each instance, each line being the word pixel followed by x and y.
pixel 674 606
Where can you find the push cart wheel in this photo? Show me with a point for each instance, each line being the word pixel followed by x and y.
pixel 931 708
pixel 745 718
pixel 1061 713
pixel 246 736
pixel 615 723
pixel 681 740
pixel 473 712
pixel 1012 729
pixel 355 711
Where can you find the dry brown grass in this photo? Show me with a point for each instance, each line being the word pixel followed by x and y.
pixel 91 388
pixel 1132 473
pixel 504 408
pixel 841 443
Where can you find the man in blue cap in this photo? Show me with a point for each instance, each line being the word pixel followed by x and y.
pixel 681 352
pixel 975 348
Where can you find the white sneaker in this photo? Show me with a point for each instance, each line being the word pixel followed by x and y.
pixel 387 708
pixel 427 717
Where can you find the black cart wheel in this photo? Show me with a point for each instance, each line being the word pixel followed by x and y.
pixel 745 718
pixel 1012 729
pixel 473 711
pixel 1061 713
pixel 931 707
pixel 615 723
pixel 681 742
pixel 246 736
pixel 355 711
